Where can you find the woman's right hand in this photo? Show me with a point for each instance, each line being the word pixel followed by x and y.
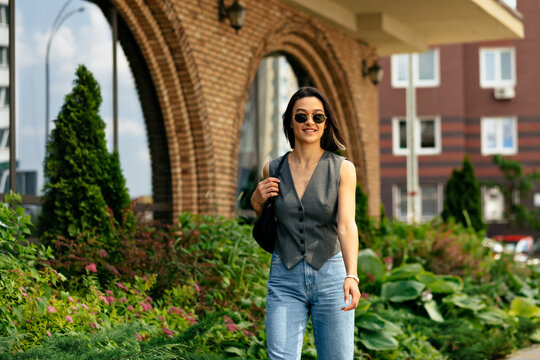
pixel 266 189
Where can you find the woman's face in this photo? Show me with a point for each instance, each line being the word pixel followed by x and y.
pixel 308 132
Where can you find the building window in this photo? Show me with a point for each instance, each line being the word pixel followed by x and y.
pixel 497 67
pixel 493 204
pixel 425 69
pixel 430 204
pixel 4 96
pixel 536 199
pixel 4 56
pixel 511 3
pixel 427 137
pixel 4 15
pixel 499 136
pixel 4 138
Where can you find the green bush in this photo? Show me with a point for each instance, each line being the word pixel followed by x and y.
pixel 82 180
pixel 17 253
pixel 462 198
pixel 212 296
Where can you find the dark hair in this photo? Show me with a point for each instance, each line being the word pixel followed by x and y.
pixel 332 138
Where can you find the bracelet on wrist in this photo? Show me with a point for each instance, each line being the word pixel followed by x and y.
pixel 354 277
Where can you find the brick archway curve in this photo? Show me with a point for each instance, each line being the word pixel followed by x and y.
pixel 304 41
pixel 164 47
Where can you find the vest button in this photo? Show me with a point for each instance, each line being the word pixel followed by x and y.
pixel 299 208
pixel 301 231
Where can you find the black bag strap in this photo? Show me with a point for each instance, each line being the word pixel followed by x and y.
pixel 271 200
pixel 276 174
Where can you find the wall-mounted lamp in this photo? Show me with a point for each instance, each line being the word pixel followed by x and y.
pixel 375 72
pixel 236 14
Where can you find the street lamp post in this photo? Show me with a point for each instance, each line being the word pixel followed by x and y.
pixel 54 29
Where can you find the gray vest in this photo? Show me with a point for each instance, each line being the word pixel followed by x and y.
pixel 307 227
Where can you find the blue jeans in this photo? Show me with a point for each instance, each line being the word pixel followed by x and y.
pixel 294 295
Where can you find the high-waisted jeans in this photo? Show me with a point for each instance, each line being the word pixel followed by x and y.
pixel 294 295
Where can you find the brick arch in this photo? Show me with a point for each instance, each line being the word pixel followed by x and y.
pixel 308 45
pixel 156 44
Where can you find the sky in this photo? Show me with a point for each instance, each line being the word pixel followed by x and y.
pixel 83 38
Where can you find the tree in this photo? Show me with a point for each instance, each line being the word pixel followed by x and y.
pixel 82 179
pixel 516 187
pixel 462 197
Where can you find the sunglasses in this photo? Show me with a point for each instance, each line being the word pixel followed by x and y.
pixel 302 118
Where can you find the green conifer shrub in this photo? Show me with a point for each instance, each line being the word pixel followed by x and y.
pixel 366 227
pixel 82 179
pixel 462 198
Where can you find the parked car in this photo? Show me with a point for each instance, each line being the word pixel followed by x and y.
pixel 522 247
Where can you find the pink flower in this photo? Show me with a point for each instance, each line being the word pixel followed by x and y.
pixel 102 253
pixel 140 337
pixel 149 299
pixel 123 300
pixel 51 309
pixel 177 311
pixel 122 286
pixel 92 325
pixel 108 292
pixel 104 299
pixel 197 288
pixel 110 299
pixel 146 306
pixel 69 319
pixel 129 308
pixel 162 318
pixel 247 333
pixel 24 294
pixel 167 331
pixel 92 268
pixel 84 306
pixel 231 326
pixel 71 299
pixel 371 278
pixel 365 295
pixel 73 308
pixel 22 289
pixel 48 333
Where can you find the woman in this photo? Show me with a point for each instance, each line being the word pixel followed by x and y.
pixel 313 271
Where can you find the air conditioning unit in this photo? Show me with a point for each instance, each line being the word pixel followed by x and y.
pixel 504 93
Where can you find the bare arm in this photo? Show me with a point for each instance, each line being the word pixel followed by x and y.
pixel 347 231
pixel 267 188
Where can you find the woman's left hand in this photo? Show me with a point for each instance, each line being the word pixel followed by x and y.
pixel 350 288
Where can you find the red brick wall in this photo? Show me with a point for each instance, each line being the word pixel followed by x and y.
pixel 202 71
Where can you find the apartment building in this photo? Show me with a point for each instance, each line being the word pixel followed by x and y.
pixel 478 99
pixel 4 94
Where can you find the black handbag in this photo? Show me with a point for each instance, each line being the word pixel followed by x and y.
pixel 264 230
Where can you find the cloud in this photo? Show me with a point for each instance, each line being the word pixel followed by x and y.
pixel 31 131
pixel 126 128
pixel 143 155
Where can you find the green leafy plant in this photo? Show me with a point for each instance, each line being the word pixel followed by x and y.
pixel 516 188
